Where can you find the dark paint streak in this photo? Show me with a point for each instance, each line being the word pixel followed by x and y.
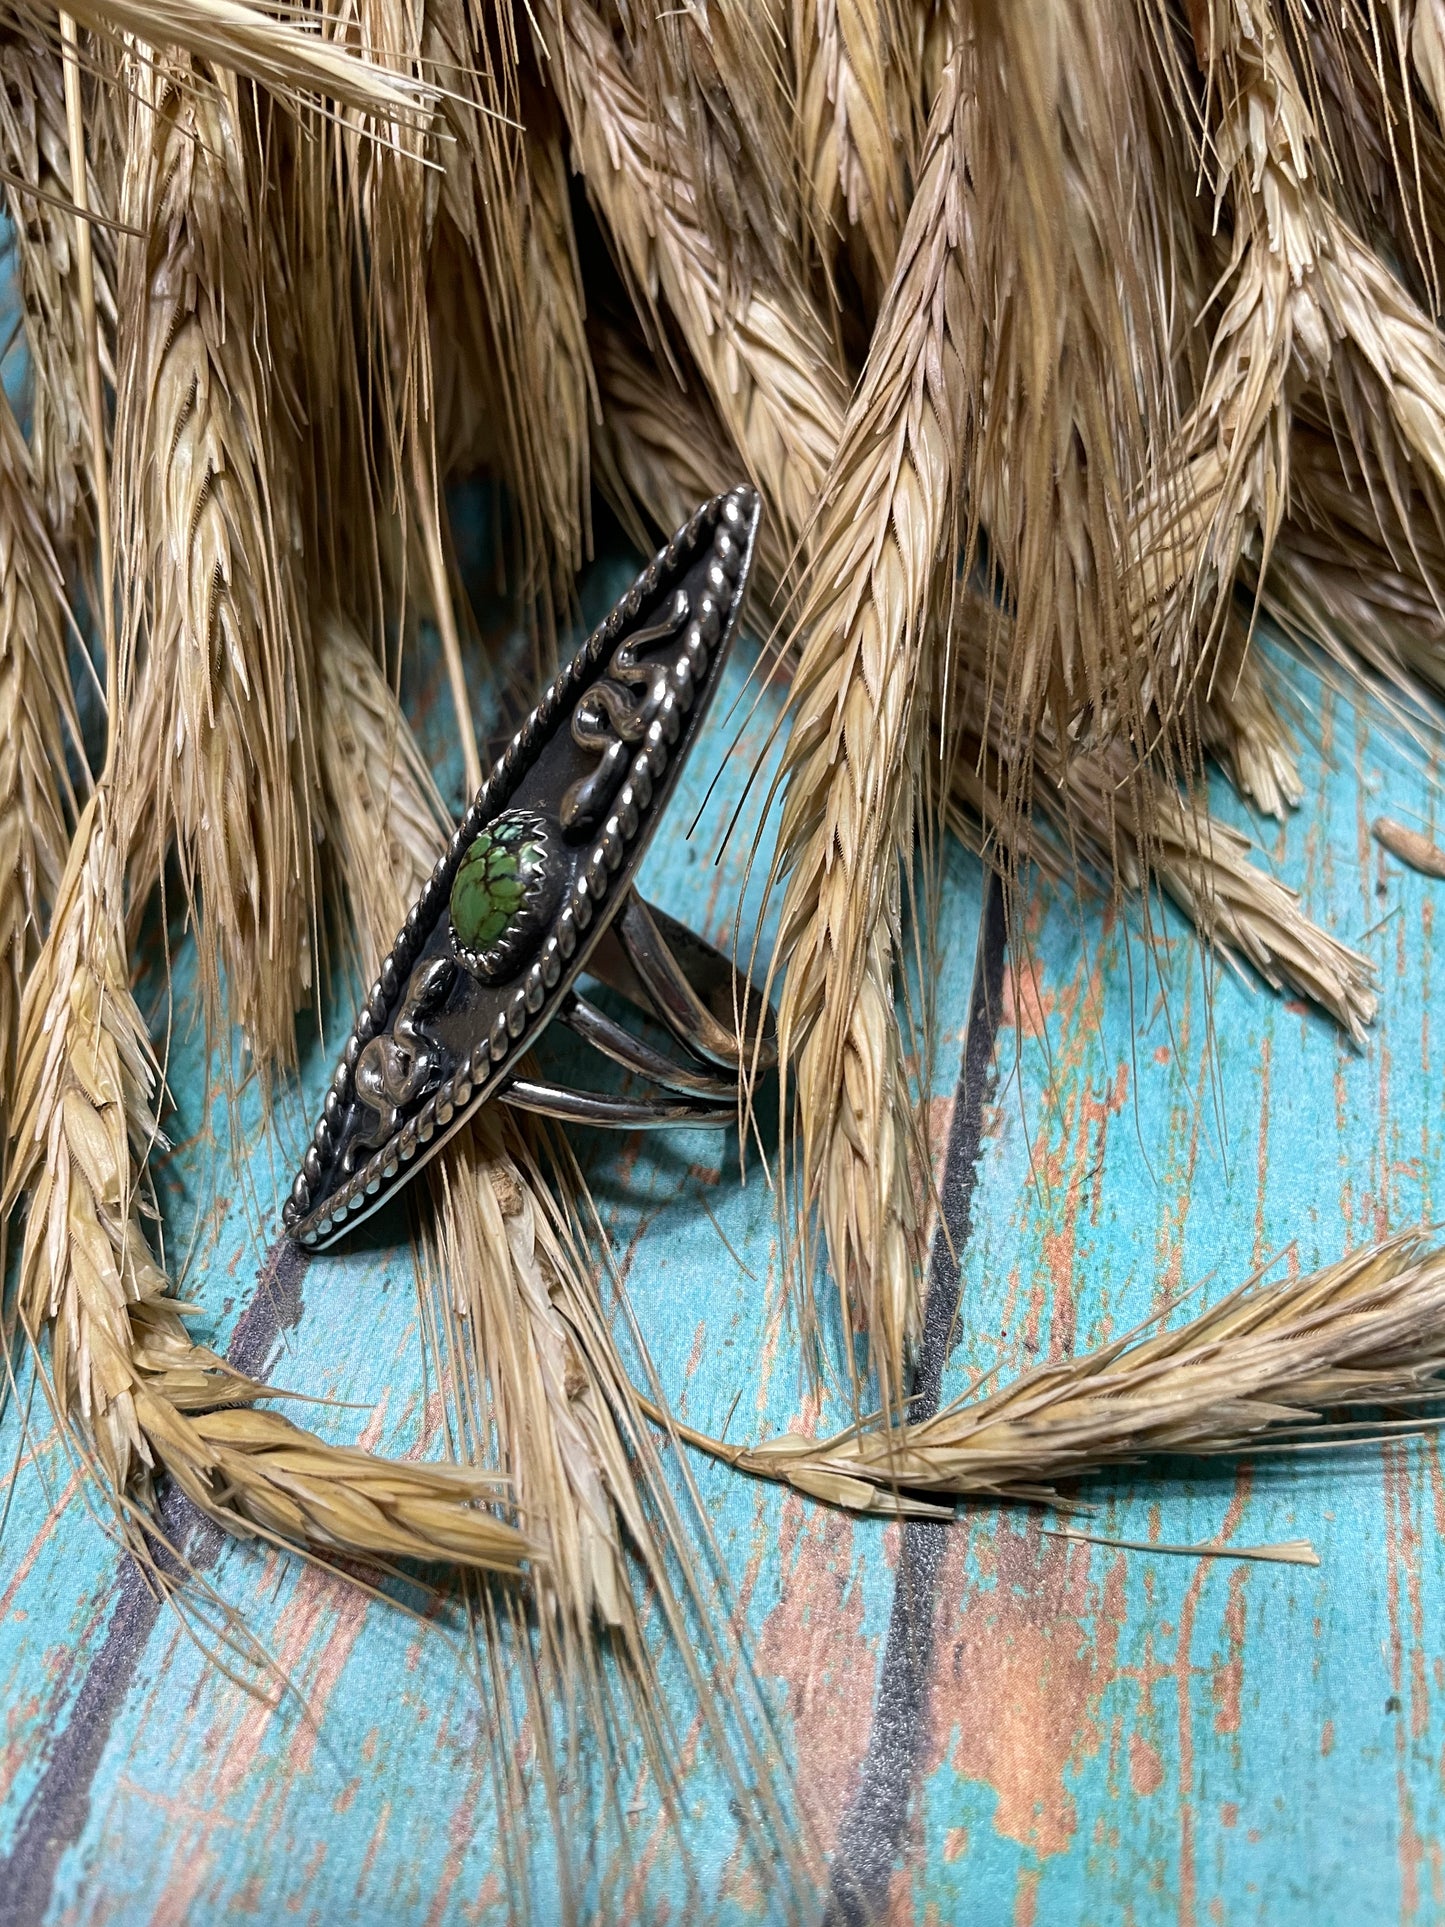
pixel 56 1812
pixel 872 1829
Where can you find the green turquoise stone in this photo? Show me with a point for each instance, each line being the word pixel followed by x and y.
pixel 493 882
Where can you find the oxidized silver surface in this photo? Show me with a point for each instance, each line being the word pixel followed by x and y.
pixel 595 761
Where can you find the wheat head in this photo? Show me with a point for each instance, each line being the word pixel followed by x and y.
pixel 888 519
pixel 209 536
pixel 764 352
pixel 859 110
pixel 134 1394
pixel 36 713
pixel 35 153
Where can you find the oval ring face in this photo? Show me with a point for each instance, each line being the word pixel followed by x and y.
pixel 504 894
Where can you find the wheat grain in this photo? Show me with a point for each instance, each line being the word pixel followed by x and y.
pixel 1411 846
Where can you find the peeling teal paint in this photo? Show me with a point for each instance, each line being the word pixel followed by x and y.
pixel 1111 1737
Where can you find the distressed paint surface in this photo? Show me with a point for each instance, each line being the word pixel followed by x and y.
pixel 1106 1736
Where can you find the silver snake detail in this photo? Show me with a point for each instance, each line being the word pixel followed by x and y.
pixel 615 713
pixel 395 1068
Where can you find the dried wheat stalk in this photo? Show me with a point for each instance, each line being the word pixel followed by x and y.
pixel 889 519
pixel 35 154
pixel 1223 487
pixel 1242 725
pixel 858 93
pixel 209 532
pixel 134 1394
pixel 319 327
pixel 1097 814
pixel 35 706
pixel 1144 828
pixel 659 444
pixel 1382 620
pixel 1073 386
pixel 659 448
pixel 765 353
pixel 716 85
pixel 284 55
pixel 496 1247
pixel 1264 1367
pixel 664 443
pixel 1132 833
pixel 1359 569
pixel 508 336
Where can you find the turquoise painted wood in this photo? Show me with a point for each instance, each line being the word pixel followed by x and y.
pixel 1106 1737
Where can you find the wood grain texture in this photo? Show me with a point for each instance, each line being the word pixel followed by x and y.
pixel 1104 1736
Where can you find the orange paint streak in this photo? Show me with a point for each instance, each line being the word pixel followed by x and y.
pixel 1229 1674
pixel 461 1831
pixel 1402 1594
pixel 1261 1251
pixel 1146 1769
pixel 373 1847
pixel 1022 1665
pixel 1026 1899
pixel 1026 1008
pixel 33 1550
pixel 1061 1247
pixel 813 1641
pixel 1184 1670
pixel 1176 1178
